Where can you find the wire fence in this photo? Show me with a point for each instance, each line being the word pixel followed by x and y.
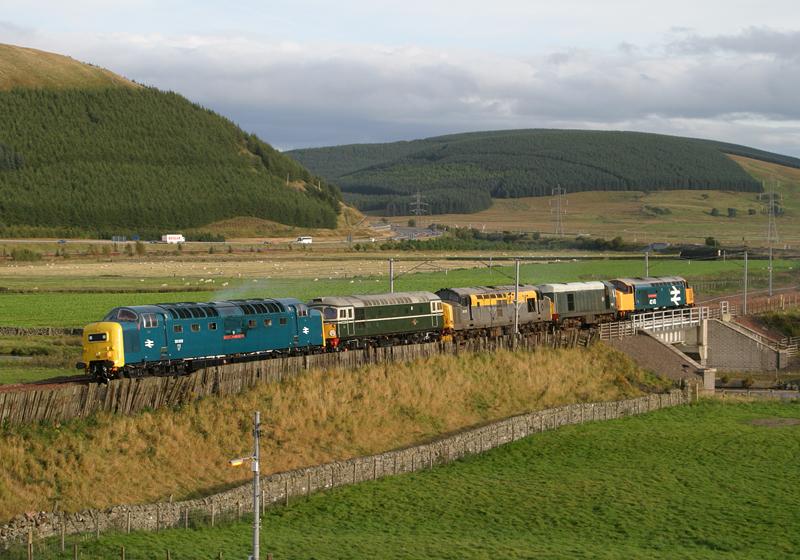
pixel 104 544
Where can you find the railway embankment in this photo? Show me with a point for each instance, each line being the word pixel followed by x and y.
pixel 318 417
pixel 66 401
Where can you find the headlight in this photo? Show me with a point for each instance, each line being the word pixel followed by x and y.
pixel 332 333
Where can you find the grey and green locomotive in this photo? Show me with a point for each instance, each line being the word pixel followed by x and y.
pixel 380 319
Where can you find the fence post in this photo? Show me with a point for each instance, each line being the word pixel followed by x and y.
pixel 169 556
pixel 158 518
pixel 63 532
pixel 213 513
pixel 122 553
pixel 219 557
pixel 30 544
pixel 97 526
pixel 186 518
pixel 128 523
pixel 238 511
pixel 286 492
pixel 74 551
pixel 308 483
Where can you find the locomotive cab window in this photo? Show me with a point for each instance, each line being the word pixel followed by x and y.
pixel 329 313
pixel 149 320
pixel 267 322
pixel 178 328
pixel 126 315
pixel 212 326
pixel 571 302
pixel 195 327
pixel 98 337
pixel 251 324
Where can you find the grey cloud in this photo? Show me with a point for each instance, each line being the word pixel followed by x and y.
pixel 753 40
pixel 14 34
pixel 302 95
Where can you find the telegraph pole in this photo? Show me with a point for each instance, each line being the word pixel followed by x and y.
pixel 391 275
pixel 256 487
pixel 646 264
pixel 254 466
pixel 516 297
pixel 744 306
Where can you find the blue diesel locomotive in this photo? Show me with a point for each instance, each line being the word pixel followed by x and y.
pixel 174 337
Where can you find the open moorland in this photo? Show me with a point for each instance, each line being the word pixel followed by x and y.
pixel 712 480
pixel 654 216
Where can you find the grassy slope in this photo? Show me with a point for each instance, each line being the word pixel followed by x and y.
pixel 30 68
pixel 315 418
pixel 696 482
pixel 607 214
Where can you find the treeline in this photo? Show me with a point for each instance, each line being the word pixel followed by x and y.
pixel 754 153
pixel 461 173
pixel 469 239
pixel 140 160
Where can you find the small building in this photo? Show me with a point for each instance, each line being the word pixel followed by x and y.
pixel 173 238
pixel 304 240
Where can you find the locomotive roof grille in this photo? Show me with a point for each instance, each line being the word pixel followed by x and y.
pixel 376 300
pixel 572 287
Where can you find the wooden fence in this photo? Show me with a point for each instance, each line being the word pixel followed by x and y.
pixel 56 403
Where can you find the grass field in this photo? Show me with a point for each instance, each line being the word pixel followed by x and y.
pixel 314 418
pixel 78 309
pixel 608 214
pixel 709 481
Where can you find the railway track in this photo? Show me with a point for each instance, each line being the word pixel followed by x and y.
pixel 45 383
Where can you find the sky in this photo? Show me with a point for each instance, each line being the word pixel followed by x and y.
pixel 313 73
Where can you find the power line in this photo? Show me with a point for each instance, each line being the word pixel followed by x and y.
pixel 418 208
pixel 558 204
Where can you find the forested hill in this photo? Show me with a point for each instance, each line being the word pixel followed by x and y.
pixel 107 159
pixel 462 172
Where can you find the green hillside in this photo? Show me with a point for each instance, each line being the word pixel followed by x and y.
pixel 462 172
pixel 105 160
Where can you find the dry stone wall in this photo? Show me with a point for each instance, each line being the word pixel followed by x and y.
pixel 57 403
pixel 281 488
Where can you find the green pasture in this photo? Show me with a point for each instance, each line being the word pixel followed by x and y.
pixel 77 309
pixel 707 481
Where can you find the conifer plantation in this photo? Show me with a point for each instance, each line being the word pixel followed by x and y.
pixel 461 173
pixel 138 160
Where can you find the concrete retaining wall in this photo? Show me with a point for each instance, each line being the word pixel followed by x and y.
pixel 57 403
pixel 280 487
pixel 731 348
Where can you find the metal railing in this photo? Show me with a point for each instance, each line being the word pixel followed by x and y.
pixel 670 319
